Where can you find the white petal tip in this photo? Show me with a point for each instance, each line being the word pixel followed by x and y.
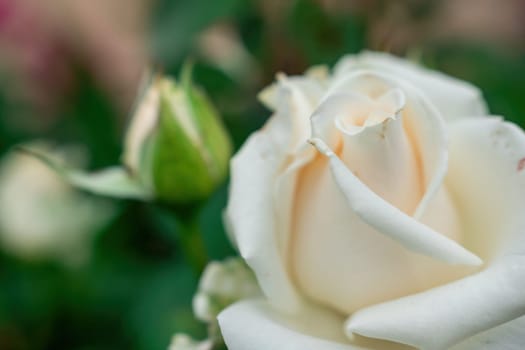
pixel 458 255
pixel 321 146
pixel 353 327
pixel 453 253
pixel 350 328
pixel 474 260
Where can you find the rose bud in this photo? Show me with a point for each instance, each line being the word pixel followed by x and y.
pixel 176 149
pixel 221 284
pixel 176 144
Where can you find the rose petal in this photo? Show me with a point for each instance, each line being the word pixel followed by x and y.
pixel 256 214
pixel 428 136
pixel 391 221
pixel 251 216
pixel 423 124
pixel 332 108
pixel 338 260
pixel 386 163
pixel 284 192
pixel 454 98
pixel 508 336
pixel 487 182
pixel 293 99
pixel 309 86
pixel 254 325
pixel 440 317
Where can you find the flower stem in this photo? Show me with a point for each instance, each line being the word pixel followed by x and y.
pixel 192 243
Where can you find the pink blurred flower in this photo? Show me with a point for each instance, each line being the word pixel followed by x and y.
pixel 40 42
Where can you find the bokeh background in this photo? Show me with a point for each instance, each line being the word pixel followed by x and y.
pixel 69 73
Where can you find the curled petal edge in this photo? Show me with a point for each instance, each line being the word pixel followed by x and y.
pixel 391 221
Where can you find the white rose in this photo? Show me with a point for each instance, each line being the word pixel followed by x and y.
pixel 402 227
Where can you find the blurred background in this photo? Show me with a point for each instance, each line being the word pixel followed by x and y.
pixel 80 272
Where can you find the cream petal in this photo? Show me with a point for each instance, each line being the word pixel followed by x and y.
pixel 285 188
pixel 454 98
pixel 508 336
pixel 382 157
pixel 423 124
pixel 441 214
pixel 391 221
pixel 293 99
pixel 394 100
pixel 251 216
pixel 487 182
pixel 254 325
pixel 443 316
pixel 263 180
pixel 332 110
pixel 338 260
pixel 262 184
pixel 427 133
pixel 309 87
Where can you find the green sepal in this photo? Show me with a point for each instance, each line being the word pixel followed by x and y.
pixel 111 182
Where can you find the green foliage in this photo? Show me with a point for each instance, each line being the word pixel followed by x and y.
pixel 176 25
pixel 322 38
pixel 500 77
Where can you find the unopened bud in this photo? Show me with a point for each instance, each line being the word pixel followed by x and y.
pixel 176 143
pixel 222 284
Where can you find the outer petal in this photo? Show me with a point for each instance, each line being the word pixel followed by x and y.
pixel 293 99
pixel 251 217
pixel 254 325
pixel 487 182
pixel 262 184
pixel 442 316
pixel 508 336
pixel 454 98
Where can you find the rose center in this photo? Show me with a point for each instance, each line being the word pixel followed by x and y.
pixel 336 258
pixel 360 111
